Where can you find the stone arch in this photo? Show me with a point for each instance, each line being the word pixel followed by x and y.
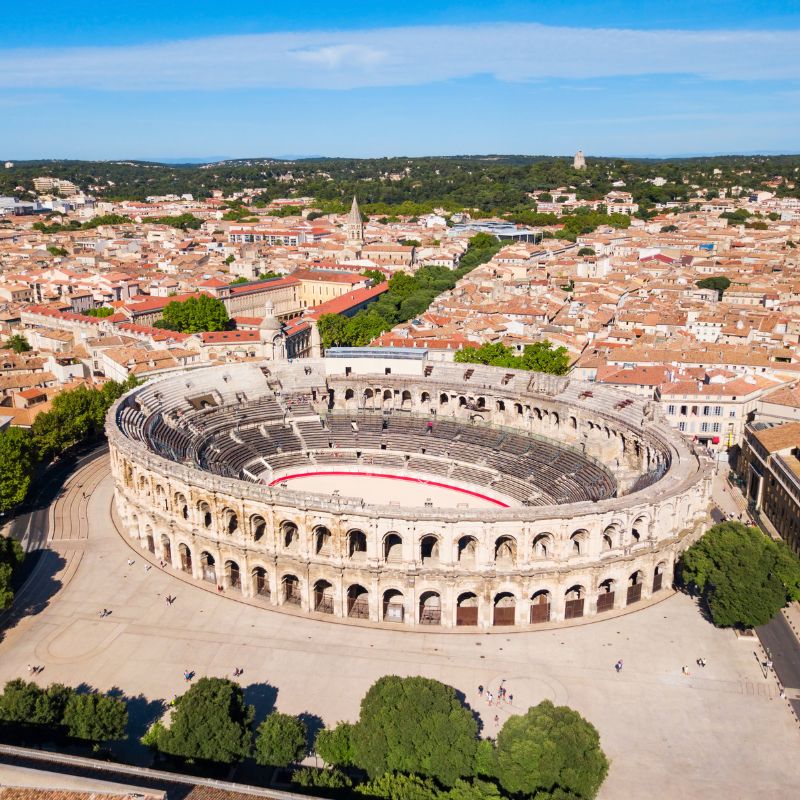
pixel 425 398
pixel 349 397
pixel 393 605
pixel 658 576
pixel 505 550
pixel 230 521
pixel 181 506
pixel 462 401
pixel 574 601
pixel 258 527
pixel 388 398
pixel 505 609
pixel 467 607
pixel 204 511
pixel 290 536
pixel 429 548
pixel 357 602
pixel 500 405
pixel 573 423
pixel 555 419
pixel 606 543
pixel 142 486
pixel 540 607
pixel 392 547
pixel 518 409
pixel 369 397
pixel 208 566
pixel 543 546
pixel 430 608
pixel 149 538
pixel 166 549
pixel 356 544
pixel 614 533
pixel 323 541
pixel 323 596
pixel 444 399
pixel 185 555
pixel 634 593
pixel 468 549
pixel 233 575
pixel 605 595
pixel 260 578
pixel 640 530
pixel 161 497
pixel 405 399
pixel 578 542
pixel 290 589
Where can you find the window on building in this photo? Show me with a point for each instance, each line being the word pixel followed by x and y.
pixel 704 427
pixel 717 411
pixel 682 427
pixel 706 411
pixel 715 427
pixel 671 410
pixel 732 412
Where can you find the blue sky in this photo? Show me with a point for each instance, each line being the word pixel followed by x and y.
pixel 177 79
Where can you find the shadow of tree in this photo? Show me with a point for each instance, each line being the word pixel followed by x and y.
pixel 263 697
pixel 314 725
pixel 462 698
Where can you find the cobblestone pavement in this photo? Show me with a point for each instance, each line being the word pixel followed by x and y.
pixel 718 732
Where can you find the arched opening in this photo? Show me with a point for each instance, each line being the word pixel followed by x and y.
pixel 467 609
pixel 357 602
pixel 349 397
pixel 573 423
pixel 518 409
pixel 424 398
pixel 500 405
pixel 231 521
pixel 444 399
pixel 233 577
pixel 387 398
pixel 481 402
pixel 405 399
pixel 181 506
pixel 462 401
pixel 323 541
pixel 393 605
pixel 357 545
pixel 205 513
pixel 261 582
pixel 290 590
pixel 467 549
pixel 505 550
pixel 578 542
pixel 430 609
pixel 555 419
pixel 540 607
pixel 149 539
pixel 289 535
pixel 607 543
pixel 429 549
pixel 634 594
pixel 369 398
pixel 166 549
pixel 323 597
pixel 605 596
pixel 161 498
pixel 505 606
pixel 658 577
pixel 575 597
pixel 392 547
pixel 613 533
pixel 208 566
pixel 639 530
pixel 258 527
pixel 143 488
pixel 543 546
pixel 186 558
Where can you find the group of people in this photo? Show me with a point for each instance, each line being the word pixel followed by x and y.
pixel 170 599
pixel 34 670
pixel 503 694
pixel 104 613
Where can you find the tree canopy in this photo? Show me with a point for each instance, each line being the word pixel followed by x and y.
pixel 335 745
pixel 744 576
pixel 415 725
pixel 548 748
pixel 11 558
pixel 96 717
pixel 539 357
pixel 18 343
pixel 281 740
pixel 211 721
pixel 718 282
pixel 195 315
pixel 17 464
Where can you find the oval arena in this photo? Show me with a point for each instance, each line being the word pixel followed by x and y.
pixel 382 486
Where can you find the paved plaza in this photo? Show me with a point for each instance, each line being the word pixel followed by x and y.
pixel 720 732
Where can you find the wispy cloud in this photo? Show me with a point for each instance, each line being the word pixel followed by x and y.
pixel 405 57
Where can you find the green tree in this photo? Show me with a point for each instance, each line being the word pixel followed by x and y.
pixel 586 251
pixel 211 721
pixel 550 747
pixel 335 745
pixel 539 357
pixel 281 740
pixel 56 251
pixel 103 311
pixel 375 275
pixel 718 282
pixel 11 557
pixel 397 786
pixel 26 703
pixel 744 576
pixel 18 343
pixel 17 464
pixel 195 315
pixel 415 725
pixel 237 281
pixel 96 717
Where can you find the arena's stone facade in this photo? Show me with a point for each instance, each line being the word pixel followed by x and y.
pixel 519 566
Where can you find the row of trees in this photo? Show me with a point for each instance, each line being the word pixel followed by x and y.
pixel 195 315
pixel 743 576
pixel 407 297
pixel 414 738
pixel 538 357
pixel 58 711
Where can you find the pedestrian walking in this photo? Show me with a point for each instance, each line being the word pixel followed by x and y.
pixel 511 699
pixel 618 666
pixel 480 690
pixel 30 670
pixel 685 670
pixel 131 562
pixel 496 721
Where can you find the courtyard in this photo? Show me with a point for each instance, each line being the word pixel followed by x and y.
pixel 721 731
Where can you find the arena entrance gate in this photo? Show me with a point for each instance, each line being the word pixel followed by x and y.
pixel 467 609
pixel 540 607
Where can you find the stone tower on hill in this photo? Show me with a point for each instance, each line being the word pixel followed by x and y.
pixel 354 227
pixel 579 162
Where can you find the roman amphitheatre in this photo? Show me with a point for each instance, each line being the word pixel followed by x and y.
pixel 384 488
